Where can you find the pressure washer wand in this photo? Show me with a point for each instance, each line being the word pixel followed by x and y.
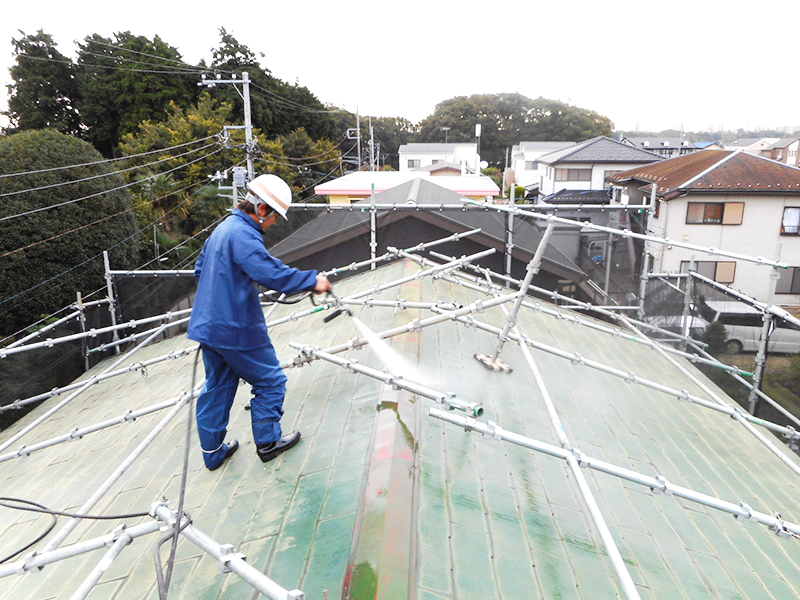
pixel 340 308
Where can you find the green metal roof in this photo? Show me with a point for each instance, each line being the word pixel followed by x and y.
pixel 381 501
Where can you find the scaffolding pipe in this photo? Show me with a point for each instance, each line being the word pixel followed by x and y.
pixel 775 310
pixel 626 233
pixel 128 417
pixel 112 303
pixel 359 207
pixel 379 288
pixel 100 569
pixel 4 352
pixel 229 559
pixel 173 273
pixel 532 270
pixel 573 303
pixel 616 332
pixel 38 560
pixel 630 377
pixel 44 329
pixel 400 304
pixel 396 381
pixel 735 414
pixel 97 379
pixel 415 325
pixel 90 382
pixel 760 393
pixel 625 579
pixel 389 255
pixel 657 484
pixel 135 336
pixel 56 541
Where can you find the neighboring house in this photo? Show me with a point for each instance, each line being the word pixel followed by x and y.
pixel 785 151
pixel 362 184
pixel 417 156
pixel 709 145
pixel 734 201
pixel 524 161
pixel 587 165
pixel 751 145
pixel 665 147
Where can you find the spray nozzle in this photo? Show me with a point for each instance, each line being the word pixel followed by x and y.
pixel 339 307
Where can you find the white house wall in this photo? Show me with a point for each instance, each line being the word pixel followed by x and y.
pixel 758 235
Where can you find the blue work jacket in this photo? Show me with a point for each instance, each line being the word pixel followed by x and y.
pixel 227 312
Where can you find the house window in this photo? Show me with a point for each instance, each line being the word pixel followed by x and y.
pixel 573 174
pixel 531 165
pixel 724 213
pixel 436 161
pixel 721 272
pixel 788 281
pixel 791 221
pixel 413 163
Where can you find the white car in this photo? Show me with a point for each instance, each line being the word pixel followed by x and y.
pixel 743 325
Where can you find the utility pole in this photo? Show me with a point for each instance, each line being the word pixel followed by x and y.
pixel 358 137
pixel 371 146
pixel 248 124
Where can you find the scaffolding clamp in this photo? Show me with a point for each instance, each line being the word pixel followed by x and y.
pixel 748 512
pixel 630 377
pixel 683 396
pixel 227 552
pixel 791 432
pixel 479 306
pixel 115 535
pixel 295 595
pixel 415 325
pixel 23 567
pixel 493 430
pixel 23 451
pixel 780 528
pixel 665 488
pixel 128 416
pixel 577 359
pixel 579 456
pixel 75 434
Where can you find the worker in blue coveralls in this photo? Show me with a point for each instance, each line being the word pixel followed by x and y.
pixel 228 321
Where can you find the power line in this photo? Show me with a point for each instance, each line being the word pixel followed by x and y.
pixel 109 160
pixel 95 222
pixel 122 187
pixel 100 175
pixel 66 62
pixel 89 260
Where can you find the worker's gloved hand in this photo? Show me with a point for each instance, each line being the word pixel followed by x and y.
pixel 323 285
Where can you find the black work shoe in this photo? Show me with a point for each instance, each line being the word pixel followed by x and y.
pixel 266 452
pixel 233 446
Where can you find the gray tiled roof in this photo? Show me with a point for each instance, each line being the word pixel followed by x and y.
pixel 419 191
pixel 599 149
pixel 379 500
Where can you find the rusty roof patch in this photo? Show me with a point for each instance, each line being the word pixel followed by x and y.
pixel 716 171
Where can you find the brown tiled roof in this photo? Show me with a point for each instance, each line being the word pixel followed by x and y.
pixel 712 171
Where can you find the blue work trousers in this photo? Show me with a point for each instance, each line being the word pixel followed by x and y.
pixel 224 367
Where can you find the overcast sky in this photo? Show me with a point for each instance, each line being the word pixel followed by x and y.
pixel 696 63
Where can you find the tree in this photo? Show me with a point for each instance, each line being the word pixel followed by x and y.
pixel 46 256
pixel 313 161
pixel 181 127
pixel 276 107
pixel 44 90
pixel 389 132
pixel 507 119
pixel 127 80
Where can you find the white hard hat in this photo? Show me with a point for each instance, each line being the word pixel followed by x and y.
pixel 273 191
